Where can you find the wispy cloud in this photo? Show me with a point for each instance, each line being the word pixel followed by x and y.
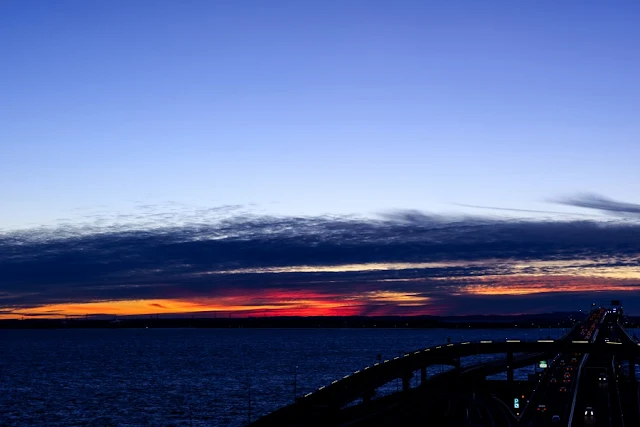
pixel 497 208
pixel 600 203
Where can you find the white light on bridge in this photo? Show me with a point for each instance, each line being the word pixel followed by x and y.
pixel 356 372
pixel 333 382
pixel 486 342
pixel 580 342
pixel 439 346
pixel 416 352
pixel 513 340
pixel 613 342
pixel 345 377
pixel 321 388
pixel 308 394
pixel 468 342
pixel 546 341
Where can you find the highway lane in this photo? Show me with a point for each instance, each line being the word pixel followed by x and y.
pixel 598 389
pixel 627 387
pixel 595 394
pixel 558 392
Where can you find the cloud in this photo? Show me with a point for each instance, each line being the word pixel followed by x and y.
pixel 157 305
pixel 255 260
pixel 496 208
pixel 601 203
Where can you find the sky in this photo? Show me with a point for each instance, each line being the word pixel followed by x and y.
pixel 318 158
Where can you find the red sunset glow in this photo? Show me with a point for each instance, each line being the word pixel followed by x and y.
pixel 282 302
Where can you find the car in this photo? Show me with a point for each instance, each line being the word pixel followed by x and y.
pixel 553 380
pixel 555 419
pixel 562 389
pixel 602 377
pixel 567 375
pixel 588 411
pixel 542 408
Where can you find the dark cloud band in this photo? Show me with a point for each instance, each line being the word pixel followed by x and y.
pixel 77 264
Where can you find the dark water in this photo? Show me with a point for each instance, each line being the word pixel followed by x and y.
pixel 171 377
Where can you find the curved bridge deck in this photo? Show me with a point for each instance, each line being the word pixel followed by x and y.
pixel 362 384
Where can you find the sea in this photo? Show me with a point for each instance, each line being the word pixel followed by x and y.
pixel 196 377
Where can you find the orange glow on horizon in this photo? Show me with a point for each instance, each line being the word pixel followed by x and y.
pixel 260 302
pixel 422 294
pixel 283 302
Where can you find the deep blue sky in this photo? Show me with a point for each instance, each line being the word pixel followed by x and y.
pixel 315 107
pixel 180 156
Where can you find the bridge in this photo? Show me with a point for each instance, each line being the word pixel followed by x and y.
pixel 555 397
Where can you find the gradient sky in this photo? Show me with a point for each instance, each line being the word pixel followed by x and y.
pixel 168 156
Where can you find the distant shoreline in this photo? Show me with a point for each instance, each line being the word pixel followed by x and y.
pixel 549 320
